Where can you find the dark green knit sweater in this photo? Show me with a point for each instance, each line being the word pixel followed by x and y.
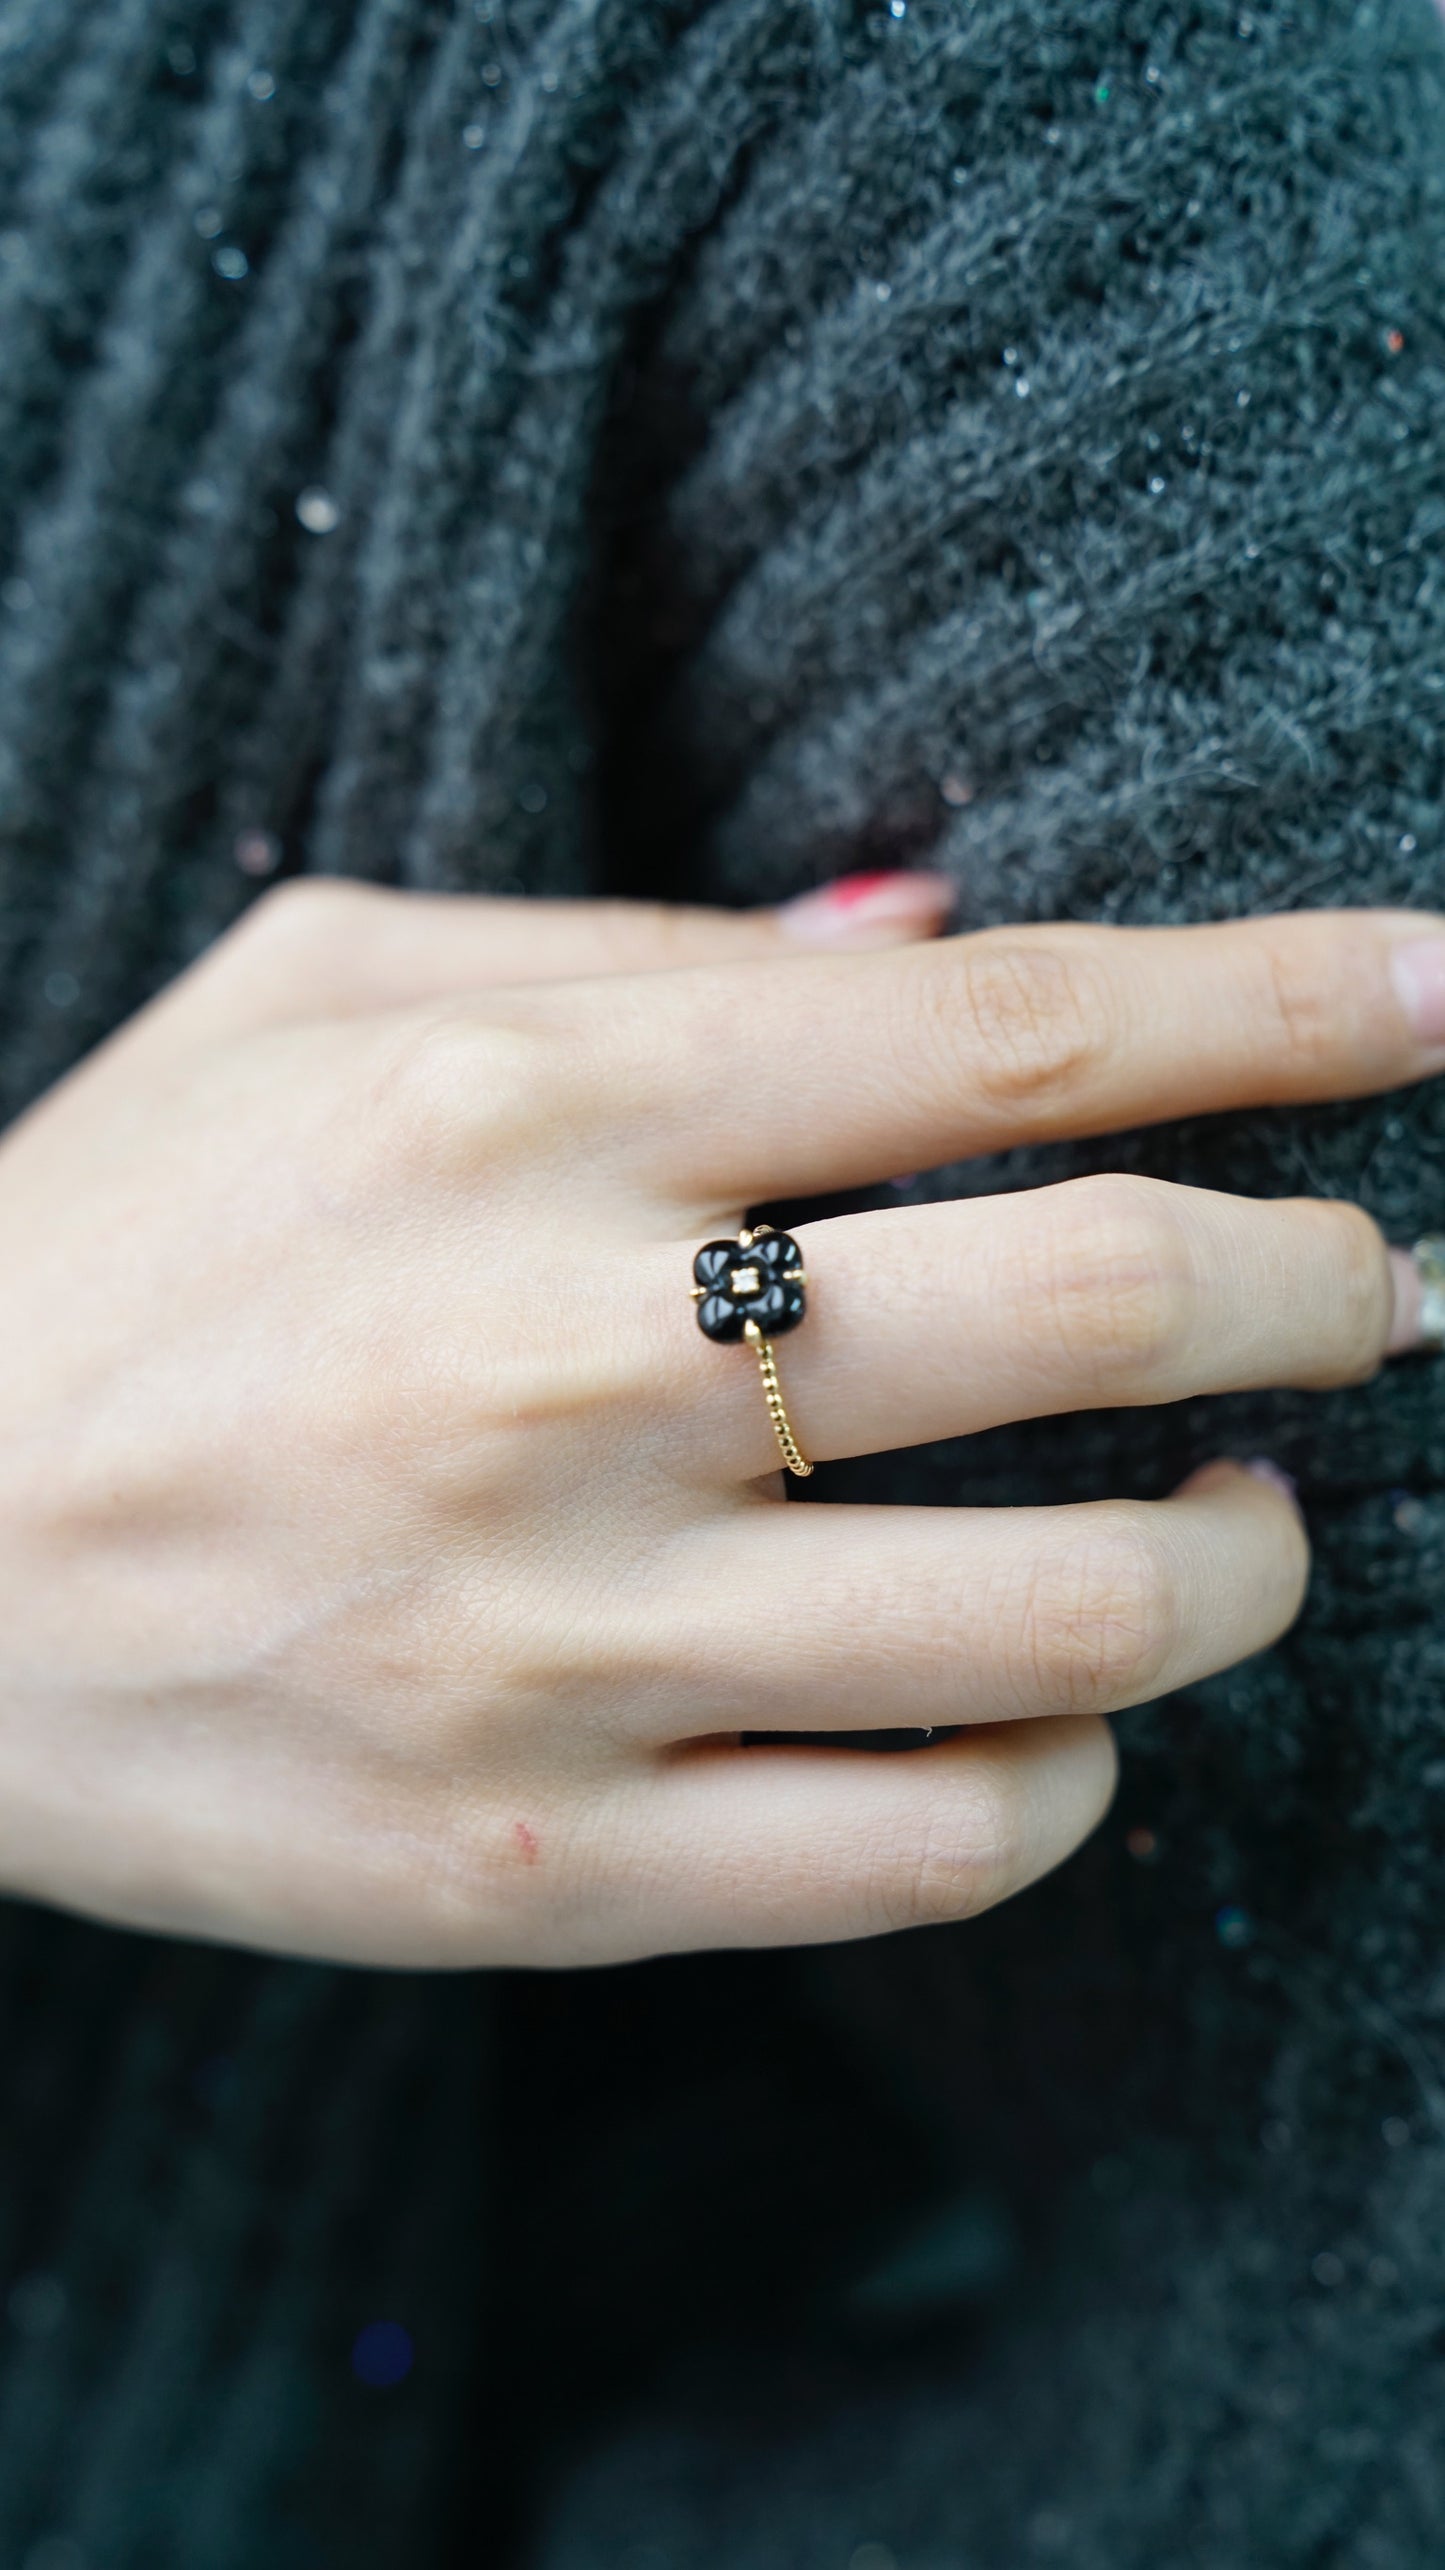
pixel 692 446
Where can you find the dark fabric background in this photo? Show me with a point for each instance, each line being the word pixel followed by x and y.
pixel 690 447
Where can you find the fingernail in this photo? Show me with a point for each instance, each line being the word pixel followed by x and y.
pixel 1274 1477
pixel 869 910
pixel 1419 1297
pixel 1418 968
pixel 1405 1327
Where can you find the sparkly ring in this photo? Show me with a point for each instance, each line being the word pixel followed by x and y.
pixel 754 1288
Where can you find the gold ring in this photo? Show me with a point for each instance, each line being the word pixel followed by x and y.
pixel 754 1289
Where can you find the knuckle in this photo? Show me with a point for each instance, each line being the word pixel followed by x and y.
pixel 1111 1281
pixel 1304 998
pixel 1363 1293
pixel 1031 1019
pixel 967 1852
pixel 449 1082
pixel 1099 1623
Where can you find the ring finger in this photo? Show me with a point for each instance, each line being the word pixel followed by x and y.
pixel 1113 1291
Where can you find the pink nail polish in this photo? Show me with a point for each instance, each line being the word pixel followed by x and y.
pixel 1419 1298
pixel 869 910
pixel 851 892
pixel 1418 970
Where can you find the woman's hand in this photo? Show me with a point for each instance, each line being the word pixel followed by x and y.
pixel 388 1565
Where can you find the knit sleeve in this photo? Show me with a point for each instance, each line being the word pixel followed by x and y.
pixel 701 442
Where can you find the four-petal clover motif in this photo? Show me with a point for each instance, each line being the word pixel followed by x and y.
pixel 753 1286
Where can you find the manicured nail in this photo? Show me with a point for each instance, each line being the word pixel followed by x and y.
pixel 1409 1294
pixel 1419 974
pixel 1419 1297
pixel 1274 1477
pixel 869 910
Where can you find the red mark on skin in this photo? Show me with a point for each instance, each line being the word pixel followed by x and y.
pixel 526 1840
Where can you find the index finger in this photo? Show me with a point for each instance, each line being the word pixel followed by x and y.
pixel 774 1078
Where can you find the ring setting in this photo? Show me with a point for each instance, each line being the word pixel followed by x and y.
pixel 754 1289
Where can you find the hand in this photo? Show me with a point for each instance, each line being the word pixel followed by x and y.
pixel 388 1564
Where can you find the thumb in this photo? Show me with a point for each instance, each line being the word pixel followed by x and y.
pixel 320 948
pixel 858 911
pixel 506 941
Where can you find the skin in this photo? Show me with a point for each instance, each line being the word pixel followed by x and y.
pixel 386 1559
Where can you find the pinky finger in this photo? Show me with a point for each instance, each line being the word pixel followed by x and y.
pixel 790 1846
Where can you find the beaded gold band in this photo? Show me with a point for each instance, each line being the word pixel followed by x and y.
pixel 793 1455
pixel 753 1289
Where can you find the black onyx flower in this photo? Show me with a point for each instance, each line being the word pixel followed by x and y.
pixel 750 1282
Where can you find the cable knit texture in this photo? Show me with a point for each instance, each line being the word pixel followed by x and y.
pixel 692 446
